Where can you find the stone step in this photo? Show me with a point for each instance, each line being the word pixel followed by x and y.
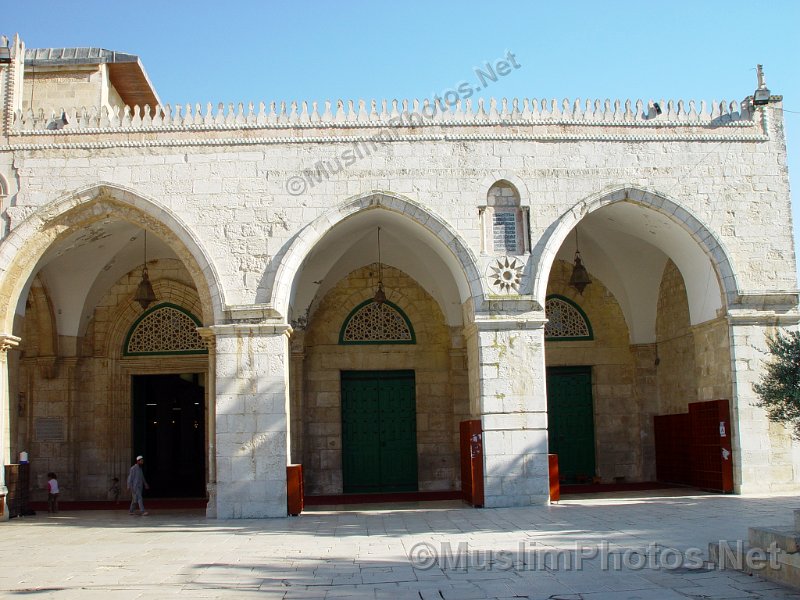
pixel 780 566
pixel 785 538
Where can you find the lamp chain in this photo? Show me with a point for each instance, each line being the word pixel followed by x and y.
pixel 380 264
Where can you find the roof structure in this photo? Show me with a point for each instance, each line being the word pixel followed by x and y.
pixel 126 71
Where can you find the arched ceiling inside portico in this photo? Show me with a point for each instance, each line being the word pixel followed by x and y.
pixel 405 245
pixel 626 245
pixel 79 268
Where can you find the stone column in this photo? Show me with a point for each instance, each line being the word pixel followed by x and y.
pixel 7 342
pixel 645 389
pixel 252 384
pixel 763 457
pixel 211 420
pixel 297 391
pixel 513 406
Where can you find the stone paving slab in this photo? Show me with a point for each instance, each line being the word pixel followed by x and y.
pixel 602 548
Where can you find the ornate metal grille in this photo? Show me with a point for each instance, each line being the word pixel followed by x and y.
pixel 377 323
pixel 565 321
pixel 165 330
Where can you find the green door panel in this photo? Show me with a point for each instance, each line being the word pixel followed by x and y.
pixel 571 422
pixel 379 433
pixel 398 433
pixel 360 447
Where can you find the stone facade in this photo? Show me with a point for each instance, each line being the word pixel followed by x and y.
pixel 442 399
pixel 618 408
pixel 262 220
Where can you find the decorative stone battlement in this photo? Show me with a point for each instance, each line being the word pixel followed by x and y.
pixel 389 113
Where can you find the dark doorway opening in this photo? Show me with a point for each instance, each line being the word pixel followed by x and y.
pixel 169 431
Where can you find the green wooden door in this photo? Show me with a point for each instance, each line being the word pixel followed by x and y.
pixel 570 418
pixel 379 431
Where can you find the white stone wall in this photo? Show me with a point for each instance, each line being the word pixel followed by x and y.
pixel 55 88
pixel 232 180
pixel 251 422
pixel 764 456
pixel 514 414
pixel 234 196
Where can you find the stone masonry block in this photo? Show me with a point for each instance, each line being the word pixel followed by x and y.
pixel 514 421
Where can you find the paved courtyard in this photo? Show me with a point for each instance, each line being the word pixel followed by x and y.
pixel 601 548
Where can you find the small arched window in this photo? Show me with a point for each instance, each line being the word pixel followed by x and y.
pixel 164 329
pixel 566 321
pixel 504 222
pixel 372 323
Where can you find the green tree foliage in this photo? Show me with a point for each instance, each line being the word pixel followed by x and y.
pixel 779 388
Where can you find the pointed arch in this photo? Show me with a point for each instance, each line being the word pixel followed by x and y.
pixel 460 260
pixel 25 245
pixel 149 335
pixel 125 314
pixel 566 320
pixel 497 176
pixel 706 240
pixel 373 323
pixel 44 320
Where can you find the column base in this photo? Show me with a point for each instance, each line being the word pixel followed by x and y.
pixel 509 501
pixel 211 507
pixel 252 500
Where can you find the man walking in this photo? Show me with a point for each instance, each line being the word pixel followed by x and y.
pixel 137 484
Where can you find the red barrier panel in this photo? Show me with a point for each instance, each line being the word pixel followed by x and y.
pixel 294 489
pixel 555 484
pixel 694 448
pixel 472 462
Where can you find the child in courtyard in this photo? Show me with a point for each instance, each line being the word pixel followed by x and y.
pixel 114 489
pixel 52 493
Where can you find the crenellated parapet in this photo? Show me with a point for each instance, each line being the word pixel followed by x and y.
pixel 388 113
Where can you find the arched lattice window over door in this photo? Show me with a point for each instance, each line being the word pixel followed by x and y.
pixel 164 329
pixel 566 321
pixel 372 323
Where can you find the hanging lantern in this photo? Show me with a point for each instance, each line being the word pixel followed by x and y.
pixel 145 295
pixel 580 276
pixel 380 295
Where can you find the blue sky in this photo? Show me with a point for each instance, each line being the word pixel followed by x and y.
pixel 262 51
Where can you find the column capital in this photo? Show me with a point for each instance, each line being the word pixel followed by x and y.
pixel 766 307
pixel 249 329
pixel 765 318
pixel 8 342
pixel 252 313
pixel 531 320
pixel 209 339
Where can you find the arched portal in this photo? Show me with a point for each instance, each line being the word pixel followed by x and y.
pixel 69 276
pixel 374 389
pixel 414 236
pixel 633 216
pixel 660 287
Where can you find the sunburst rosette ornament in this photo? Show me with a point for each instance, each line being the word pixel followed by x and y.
pixel 506 275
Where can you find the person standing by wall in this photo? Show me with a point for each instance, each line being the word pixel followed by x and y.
pixel 137 484
pixel 114 489
pixel 52 493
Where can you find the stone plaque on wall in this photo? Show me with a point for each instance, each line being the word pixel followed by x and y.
pixel 49 429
